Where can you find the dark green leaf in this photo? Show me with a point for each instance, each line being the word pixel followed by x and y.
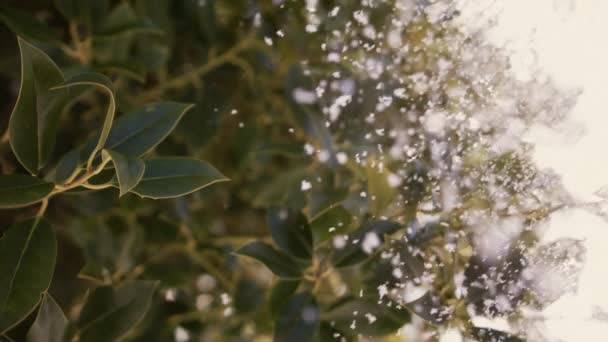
pixel 353 252
pixel 110 313
pixel 27 26
pixel 141 130
pixel 50 322
pixel 28 251
pixel 429 308
pixel 129 170
pixel 492 335
pixel 290 231
pixel 281 188
pixel 173 177
pixel 367 317
pixel 22 190
pixel 33 122
pixel 298 320
pixel 278 262
pixel 281 290
pixel 123 20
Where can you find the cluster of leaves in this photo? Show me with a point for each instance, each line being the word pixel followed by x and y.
pixel 366 170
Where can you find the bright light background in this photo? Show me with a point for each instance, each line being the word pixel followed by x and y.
pixel 567 39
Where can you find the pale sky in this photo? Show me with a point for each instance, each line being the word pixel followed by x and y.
pixel 567 39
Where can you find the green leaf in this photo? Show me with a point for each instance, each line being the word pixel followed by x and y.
pixel 129 171
pixel 353 252
pixel 368 317
pixel 281 290
pixel 298 320
pixel 28 251
pixel 281 188
pixel 381 193
pixel 141 130
pixel 50 323
pixel 22 190
pixel 110 313
pixel 123 20
pixel 290 231
pixel 87 12
pixel 279 263
pixel 329 224
pixel 33 122
pixel 173 177
pixel 27 26
pixel 103 83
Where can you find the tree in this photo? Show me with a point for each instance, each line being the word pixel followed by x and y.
pixel 373 161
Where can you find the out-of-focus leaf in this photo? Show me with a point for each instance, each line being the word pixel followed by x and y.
pixel 290 231
pixel 123 20
pixel 429 308
pixel 381 193
pixel 281 290
pixel 33 122
pixel 26 26
pixel 325 200
pixel 330 223
pixel 110 313
pixel 367 317
pixel 248 296
pixel 173 177
pixel 88 12
pixel 281 188
pixel 298 320
pixel 279 263
pixel 50 323
pixel 353 253
pixel 27 261
pixel 129 170
pixel 492 335
pixel 22 190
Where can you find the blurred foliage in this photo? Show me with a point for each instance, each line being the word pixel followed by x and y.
pixel 377 175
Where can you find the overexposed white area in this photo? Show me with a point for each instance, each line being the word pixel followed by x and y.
pixel 568 40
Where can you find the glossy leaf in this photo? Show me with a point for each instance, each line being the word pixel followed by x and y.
pixel 110 313
pixel 27 26
pixel 290 231
pixel 353 252
pixel 33 122
pixel 104 84
pixel 50 323
pixel 28 251
pixel 172 177
pixel 369 317
pixel 141 130
pixel 129 170
pixel 22 190
pixel 278 262
pixel 298 320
